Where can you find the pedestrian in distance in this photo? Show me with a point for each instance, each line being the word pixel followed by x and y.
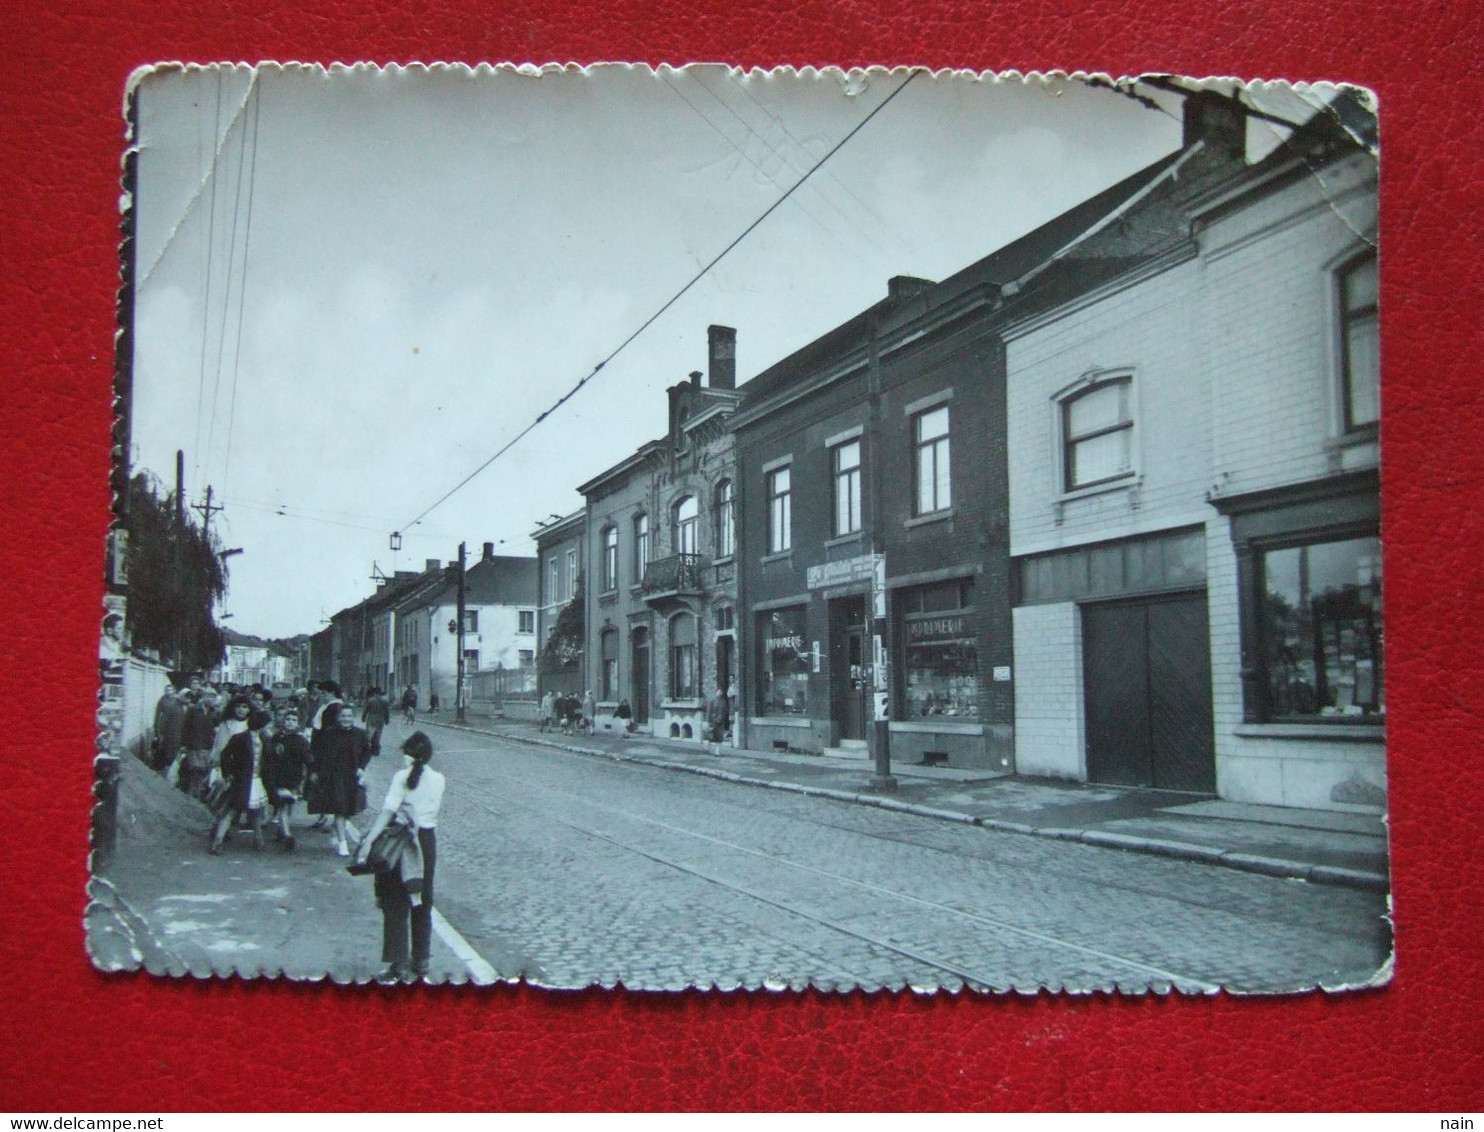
pixel 409 704
pixel 433 700
pixel 340 754
pixel 169 719
pixel 375 715
pixel 243 792
pixel 197 732
pixel 404 894
pixel 718 714
pixel 625 716
pixel 589 712
pixel 284 774
pixel 548 711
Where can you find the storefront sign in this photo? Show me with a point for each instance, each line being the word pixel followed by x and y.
pixel 846 570
pixel 949 627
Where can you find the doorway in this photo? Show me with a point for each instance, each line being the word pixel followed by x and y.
pixel 847 666
pixel 1147 683
pixel 640 705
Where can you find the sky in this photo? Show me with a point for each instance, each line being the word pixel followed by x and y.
pixel 353 286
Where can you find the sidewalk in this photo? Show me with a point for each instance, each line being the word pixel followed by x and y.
pixel 1325 847
pixel 165 905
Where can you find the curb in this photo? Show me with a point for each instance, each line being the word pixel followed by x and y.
pixel 1336 875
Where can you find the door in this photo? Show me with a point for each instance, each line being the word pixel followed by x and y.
pixel 1147 687
pixel 847 666
pixel 640 705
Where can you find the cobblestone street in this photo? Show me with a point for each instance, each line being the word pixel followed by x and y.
pixel 569 870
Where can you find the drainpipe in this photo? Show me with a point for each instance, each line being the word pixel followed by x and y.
pixel 882 779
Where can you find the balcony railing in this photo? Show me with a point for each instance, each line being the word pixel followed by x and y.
pixel 676 574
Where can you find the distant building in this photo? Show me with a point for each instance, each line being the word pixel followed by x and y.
pixel 560 551
pixel 660 574
pixel 501 593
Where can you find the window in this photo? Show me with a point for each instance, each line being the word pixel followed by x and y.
pixel 641 545
pixel 726 520
pixel 608 682
pixel 471 620
pixel 940 651
pixel 553 580
pixel 780 511
pixel 610 558
pixel 527 621
pixel 527 658
pixel 571 573
pixel 471 660
pixel 1321 630
pixel 684 680
pixel 930 435
pixel 846 459
pixel 687 522
pixel 1360 356
pixel 784 661
pixel 1097 434
pixel 726 618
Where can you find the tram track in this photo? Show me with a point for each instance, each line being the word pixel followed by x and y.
pixel 971 978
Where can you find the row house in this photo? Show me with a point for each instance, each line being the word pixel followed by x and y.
pixel 560 550
pixel 660 566
pixel 500 595
pixel 1195 513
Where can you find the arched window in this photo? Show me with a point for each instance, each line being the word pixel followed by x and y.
pixel 610 558
pixel 726 520
pixel 687 520
pixel 684 679
pixel 641 545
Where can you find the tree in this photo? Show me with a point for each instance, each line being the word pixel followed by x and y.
pixel 564 646
pixel 176 577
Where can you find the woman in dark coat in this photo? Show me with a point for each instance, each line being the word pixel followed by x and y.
pixel 341 753
pixel 243 762
pixel 284 772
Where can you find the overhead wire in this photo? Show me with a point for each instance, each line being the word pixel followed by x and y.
pixel 670 302
pixel 242 286
pixel 221 343
pixel 216 153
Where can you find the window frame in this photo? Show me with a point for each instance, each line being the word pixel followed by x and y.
pixel 941 447
pixel 851 478
pixel 693 647
pixel 1091 385
pixel 522 617
pixel 608 677
pixel 642 545
pixel 725 508
pixel 780 509
pixel 689 529
pixel 608 549
pixel 1344 317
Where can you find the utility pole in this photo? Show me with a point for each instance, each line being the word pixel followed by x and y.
pixel 879 700
pixel 207 511
pixel 460 712
pixel 177 582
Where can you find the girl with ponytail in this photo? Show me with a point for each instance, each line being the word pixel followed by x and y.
pixel 415 796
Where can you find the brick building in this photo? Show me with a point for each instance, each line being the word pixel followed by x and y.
pixel 1194 488
pixel 560 549
pixel 659 575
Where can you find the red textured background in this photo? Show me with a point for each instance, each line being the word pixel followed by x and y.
pixel 73 1039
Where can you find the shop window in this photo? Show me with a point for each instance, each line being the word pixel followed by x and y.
pixel 608 672
pixel 641 544
pixel 934 485
pixel 1360 354
pixel 684 679
pixel 1320 628
pixel 846 461
pixel 726 520
pixel 1098 433
pixel 940 651
pixel 610 558
pixel 780 510
pixel 687 524
pixel 784 662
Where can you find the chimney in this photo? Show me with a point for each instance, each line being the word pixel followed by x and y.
pixel 900 287
pixel 1218 121
pixel 489 551
pixel 431 564
pixel 695 378
pixel 721 342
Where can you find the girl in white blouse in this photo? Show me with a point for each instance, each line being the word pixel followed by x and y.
pixel 417 793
